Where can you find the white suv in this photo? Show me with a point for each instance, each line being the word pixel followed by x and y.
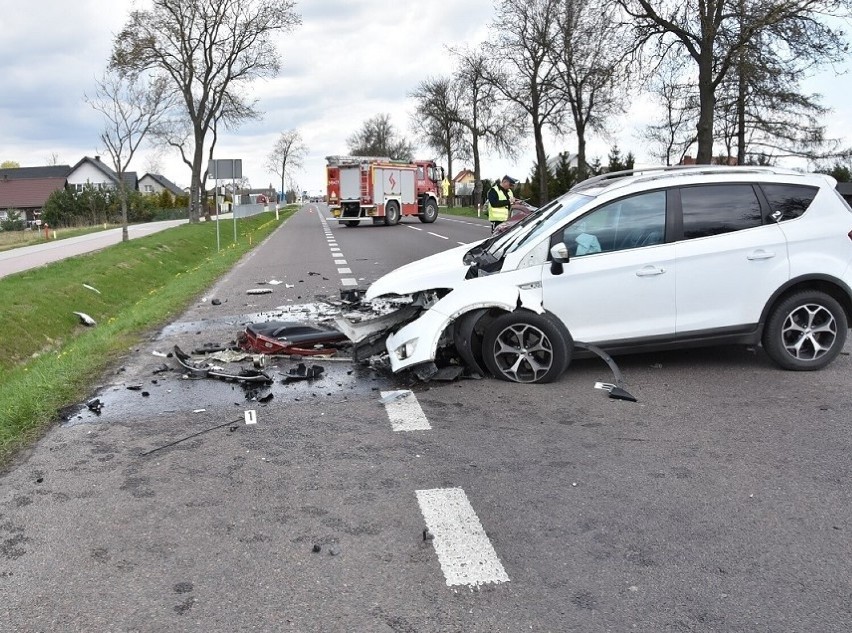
pixel 643 260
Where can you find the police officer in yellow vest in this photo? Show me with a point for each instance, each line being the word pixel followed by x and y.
pixel 500 199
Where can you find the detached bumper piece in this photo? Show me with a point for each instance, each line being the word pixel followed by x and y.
pixel 200 369
pixel 291 338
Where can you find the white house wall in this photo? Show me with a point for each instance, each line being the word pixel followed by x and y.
pixel 88 173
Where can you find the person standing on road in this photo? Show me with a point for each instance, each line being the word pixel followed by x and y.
pixel 500 200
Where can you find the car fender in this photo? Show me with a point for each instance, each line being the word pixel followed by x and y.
pixel 425 332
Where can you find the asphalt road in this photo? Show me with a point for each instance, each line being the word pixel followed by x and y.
pixel 719 502
pixel 26 257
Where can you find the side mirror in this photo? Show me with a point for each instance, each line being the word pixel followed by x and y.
pixel 558 256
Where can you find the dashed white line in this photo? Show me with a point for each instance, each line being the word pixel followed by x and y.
pixel 413 228
pixel 344 270
pixel 349 281
pixel 340 262
pixel 404 411
pixel 443 237
pixel 463 548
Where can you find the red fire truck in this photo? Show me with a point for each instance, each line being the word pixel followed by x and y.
pixel 381 189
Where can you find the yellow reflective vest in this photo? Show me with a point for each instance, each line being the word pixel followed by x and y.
pixel 498 214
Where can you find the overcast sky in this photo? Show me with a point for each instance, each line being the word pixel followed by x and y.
pixel 348 61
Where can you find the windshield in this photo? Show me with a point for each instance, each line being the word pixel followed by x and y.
pixel 536 225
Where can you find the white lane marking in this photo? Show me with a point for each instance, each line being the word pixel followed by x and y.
pixel 335 250
pixel 404 411
pixel 461 243
pixel 413 228
pixel 443 237
pixel 464 550
pixel 344 270
pixel 340 262
pixel 349 281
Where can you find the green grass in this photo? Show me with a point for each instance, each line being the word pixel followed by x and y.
pixel 48 360
pixel 17 239
pixel 468 212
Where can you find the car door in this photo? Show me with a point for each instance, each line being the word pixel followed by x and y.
pixel 730 260
pixel 619 283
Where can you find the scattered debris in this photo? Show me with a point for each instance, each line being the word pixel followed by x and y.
pixel 289 285
pixel 134 387
pixel 317 548
pixel 204 370
pixel 394 396
pixel 145 394
pixel 216 302
pixel 303 372
pixel 259 291
pixel 162 368
pixel 266 398
pixel 274 282
pixel 334 550
pixel 427 535
pixel 85 319
pixel 92 288
pixel 160 354
pixel 199 410
pixel 95 405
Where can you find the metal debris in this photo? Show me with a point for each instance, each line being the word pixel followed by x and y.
pixel 259 291
pixel 95 405
pixel 303 372
pixel 201 369
pixel 189 437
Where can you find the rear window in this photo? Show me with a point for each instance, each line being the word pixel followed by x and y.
pixel 716 209
pixel 787 202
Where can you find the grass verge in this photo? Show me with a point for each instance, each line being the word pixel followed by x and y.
pixel 467 212
pixel 48 360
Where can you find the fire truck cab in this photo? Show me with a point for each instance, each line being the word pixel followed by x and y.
pixel 381 189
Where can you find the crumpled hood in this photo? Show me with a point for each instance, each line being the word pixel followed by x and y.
pixel 442 270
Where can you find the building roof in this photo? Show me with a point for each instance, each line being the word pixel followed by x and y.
pixel 28 193
pixel 164 182
pixel 46 171
pixel 464 173
pixel 130 178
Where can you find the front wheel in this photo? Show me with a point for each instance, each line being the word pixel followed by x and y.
pixel 806 331
pixel 392 213
pixel 430 211
pixel 523 346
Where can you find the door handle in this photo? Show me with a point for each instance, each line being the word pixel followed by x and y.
pixel 650 271
pixel 760 254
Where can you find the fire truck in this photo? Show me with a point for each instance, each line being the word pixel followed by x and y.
pixel 382 190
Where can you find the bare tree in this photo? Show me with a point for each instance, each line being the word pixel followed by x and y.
pixel 588 61
pixel 209 51
pixel 436 115
pixel 489 122
pixel 522 72
pixel 377 137
pixel 714 33
pixel 287 155
pixel 52 159
pixel 131 108
pixel 672 137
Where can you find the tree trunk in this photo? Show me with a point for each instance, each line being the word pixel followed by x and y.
pixel 541 158
pixel 477 181
pixel 582 171
pixel 707 99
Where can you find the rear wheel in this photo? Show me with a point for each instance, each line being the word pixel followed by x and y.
pixel 392 213
pixel 352 222
pixel 806 331
pixel 523 346
pixel 430 211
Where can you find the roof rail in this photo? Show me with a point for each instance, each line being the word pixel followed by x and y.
pixel 652 173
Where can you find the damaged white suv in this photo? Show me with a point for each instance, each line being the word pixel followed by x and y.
pixel 644 260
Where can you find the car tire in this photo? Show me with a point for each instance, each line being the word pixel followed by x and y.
pixel 523 346
pixel 392 214
pixel 430 212
pixel 806 331
pixel 352 222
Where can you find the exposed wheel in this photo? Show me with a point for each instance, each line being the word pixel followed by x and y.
pixel 523 346
pixel 430 211
pixel 806 331
pixel 352 222
pixel 392 214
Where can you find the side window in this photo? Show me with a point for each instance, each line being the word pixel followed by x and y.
pixel 716 209
pixel 788 202
pixel 627 223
